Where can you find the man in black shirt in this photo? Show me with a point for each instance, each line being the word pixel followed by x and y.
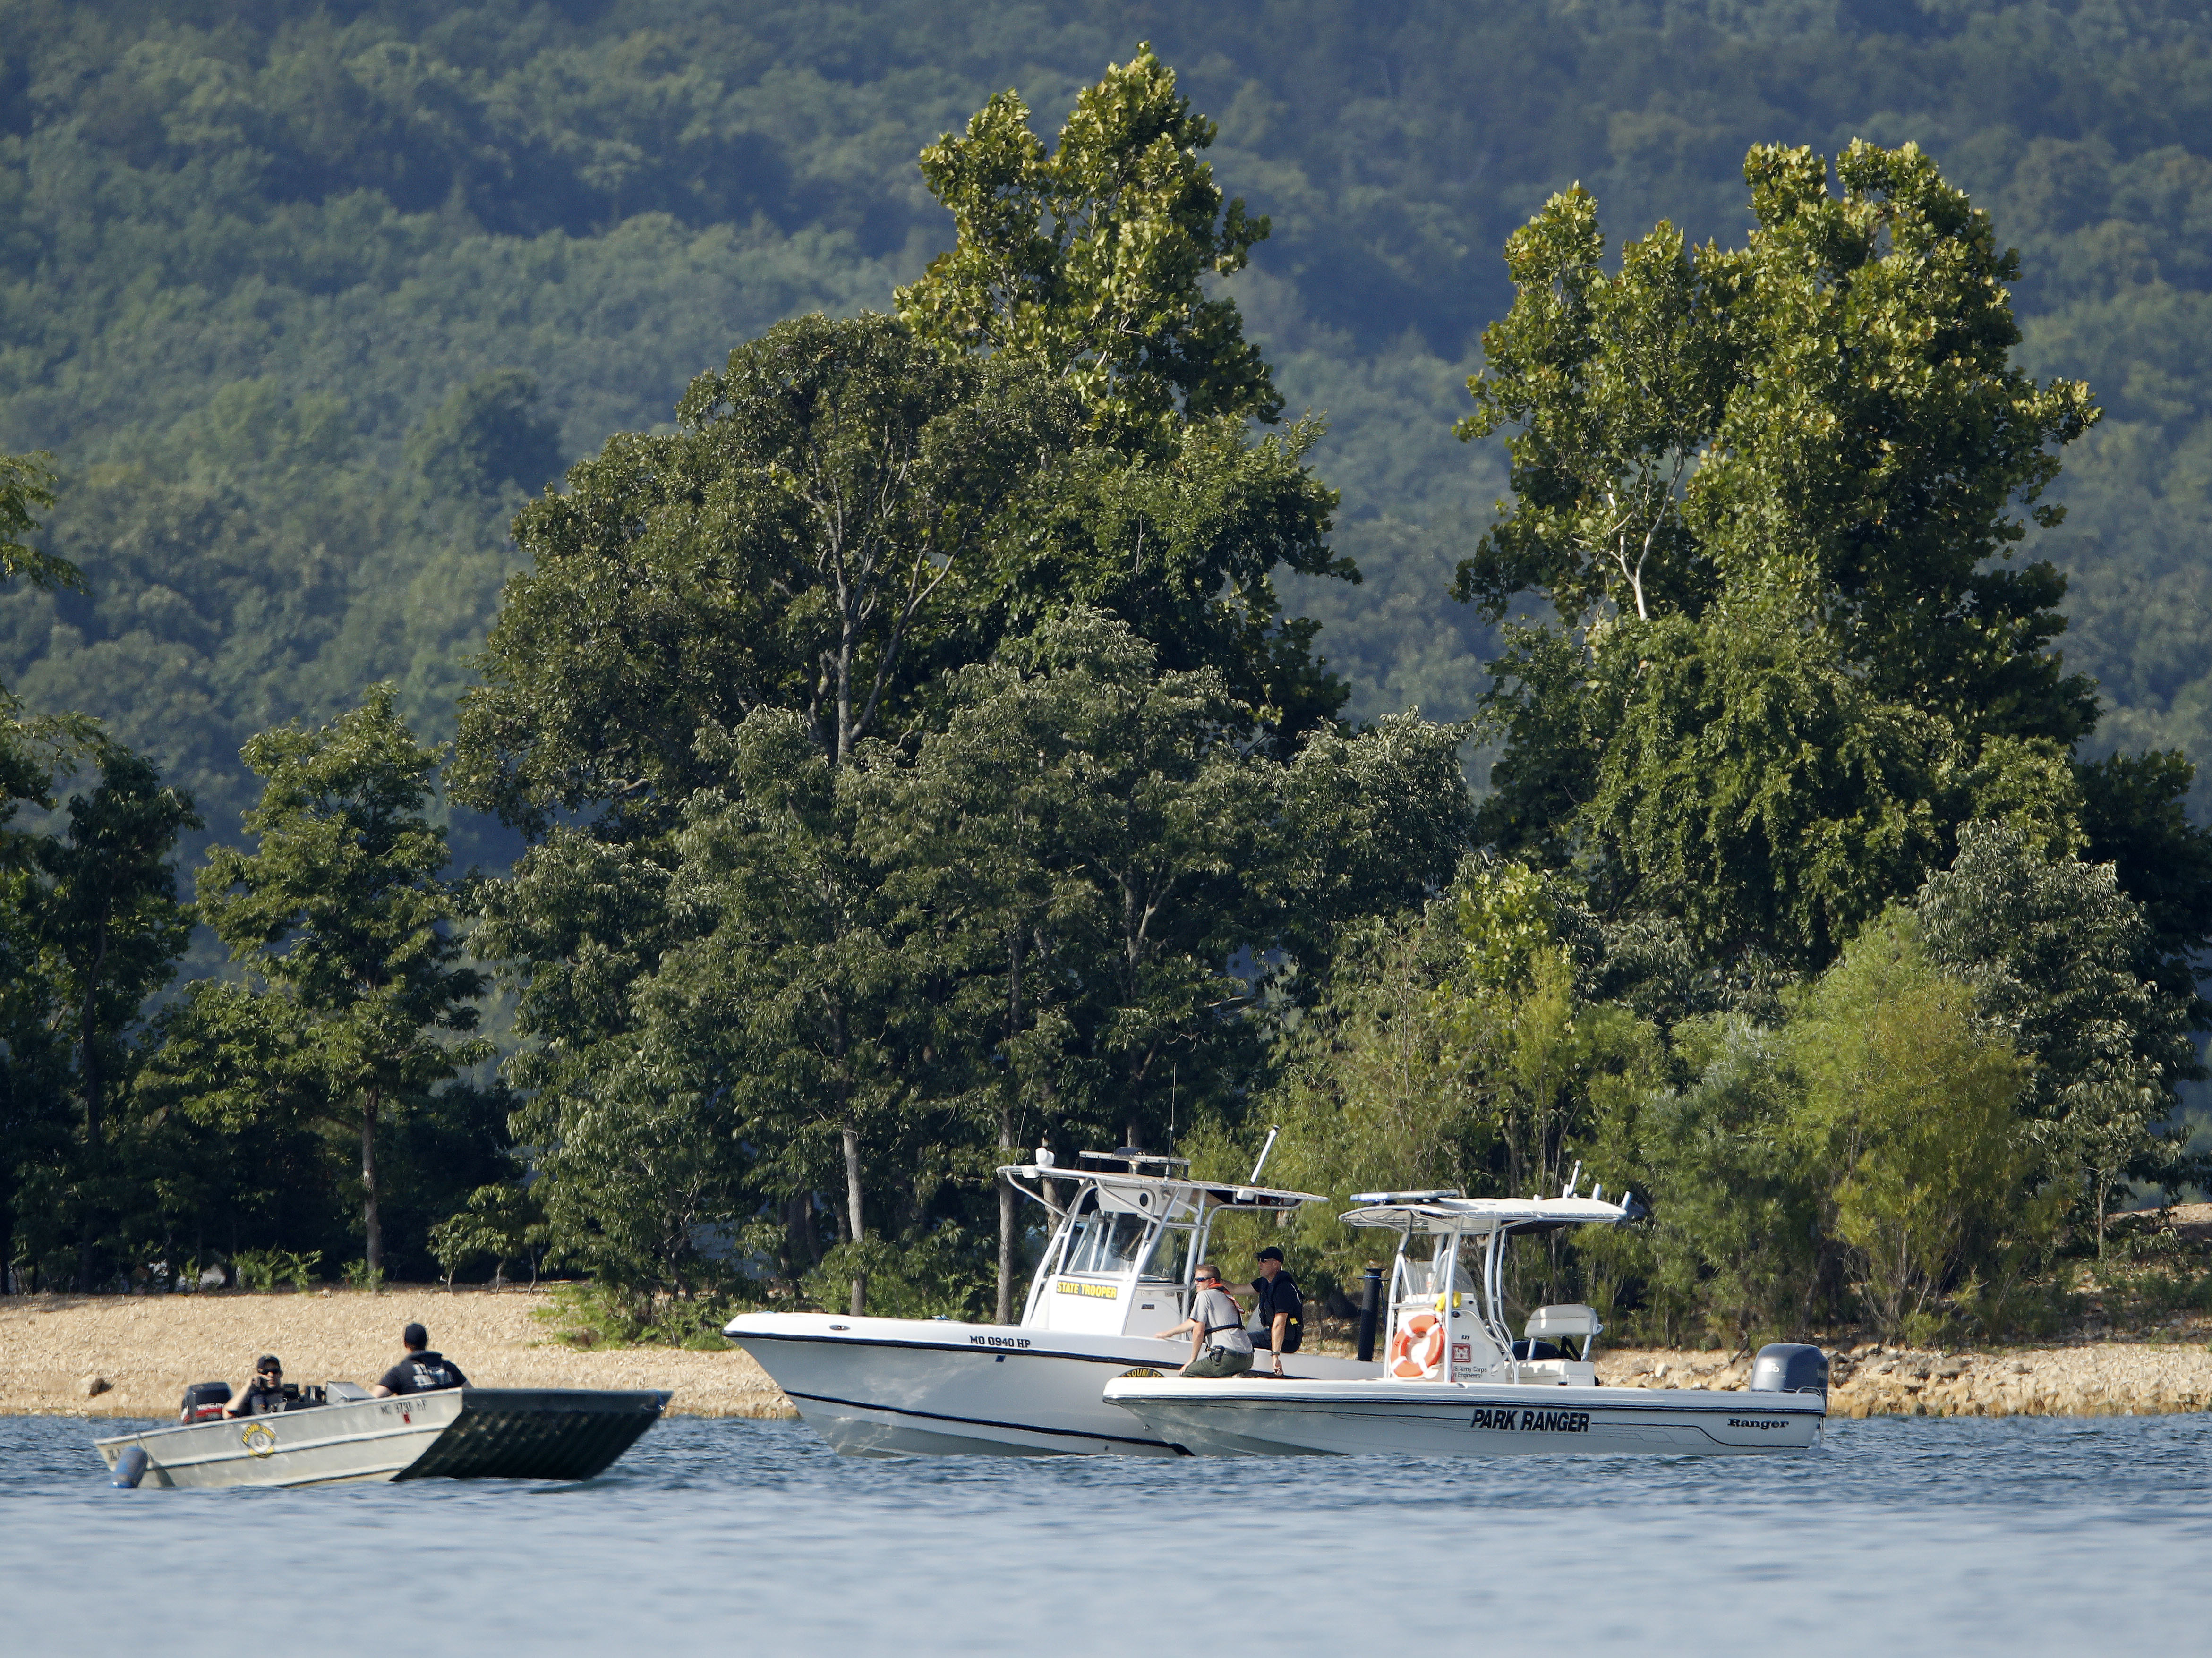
pixel 1282 1309
pixel 265 1394
pixel 422 1371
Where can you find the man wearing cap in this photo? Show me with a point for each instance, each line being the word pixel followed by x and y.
pixel 265 1394
pixel 1281 1309
pixel 422 1371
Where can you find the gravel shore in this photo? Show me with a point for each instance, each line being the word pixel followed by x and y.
pixel 2105 1378
pixel 145 1349
pixel 148 1348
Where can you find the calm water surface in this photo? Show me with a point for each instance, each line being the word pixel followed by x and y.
pixel 2049 1536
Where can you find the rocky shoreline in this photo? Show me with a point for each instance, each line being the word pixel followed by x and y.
pixel 132 1356
pixel 2105 1378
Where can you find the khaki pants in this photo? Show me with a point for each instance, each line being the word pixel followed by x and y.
pixel 1216 1362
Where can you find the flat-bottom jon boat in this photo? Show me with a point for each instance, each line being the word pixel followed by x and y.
pixel 1456 1383
pixel 459 1433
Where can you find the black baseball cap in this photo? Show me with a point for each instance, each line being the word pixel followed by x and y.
pixel 1270 1253
pixel 268 1362
pixel 414 1336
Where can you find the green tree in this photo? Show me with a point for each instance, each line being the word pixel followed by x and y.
pixel 1092 258
pixel 1091 262
pixel 1910 1109
pixel 27 484
pixel 1737 1241
pixel 486 436
pixel 1827 418
pixel 1079 850
pixel 345 925
pixel 1762 489
pixel 2065 963
pixel 796 543
pixel 112 930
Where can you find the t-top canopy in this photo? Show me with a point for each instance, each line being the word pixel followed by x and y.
pixel 1433 1212
pixel 1226 1194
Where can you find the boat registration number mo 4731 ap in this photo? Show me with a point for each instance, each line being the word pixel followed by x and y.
pixel 1510 1418
pixel 1102 1291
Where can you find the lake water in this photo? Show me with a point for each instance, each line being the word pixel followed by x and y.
pixel 2026 1536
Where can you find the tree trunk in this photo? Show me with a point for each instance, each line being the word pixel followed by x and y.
pixel 1007 1107
pixel 372 1223
pixel 96 1134
pixel 853 1212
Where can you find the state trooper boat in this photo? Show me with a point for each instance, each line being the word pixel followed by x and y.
pixel 1129 1229
pixel 1456 1383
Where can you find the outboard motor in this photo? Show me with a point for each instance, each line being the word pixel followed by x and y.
pixel 1789 1367
pixel 204 1401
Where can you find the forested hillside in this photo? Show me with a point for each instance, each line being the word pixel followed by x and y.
pixel 906 540
pixel 248 251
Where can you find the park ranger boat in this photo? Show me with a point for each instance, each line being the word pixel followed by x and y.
pixel 1455 1382
pixel 1128 1229
pixel 339 1434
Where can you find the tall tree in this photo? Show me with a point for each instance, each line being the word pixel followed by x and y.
pixel 1082 847
pixel 1092 262
pixel 1092 258
pixel 795 544
pixel 112 930
pixel 2066 966
pixel 345 925
pixel 1767 492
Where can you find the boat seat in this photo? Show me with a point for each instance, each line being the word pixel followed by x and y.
pixel 1566 1320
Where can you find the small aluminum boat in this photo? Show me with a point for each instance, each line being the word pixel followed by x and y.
pixel 1456 1383
pixel 457 1433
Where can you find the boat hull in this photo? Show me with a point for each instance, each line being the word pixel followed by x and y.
pixel 1249 1418
pixel 461 1433
pixel 891 1386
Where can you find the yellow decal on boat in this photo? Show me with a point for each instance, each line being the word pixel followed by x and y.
pixel 259 1439
pixel 1103 1292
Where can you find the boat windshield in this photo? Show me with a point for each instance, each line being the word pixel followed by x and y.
pixel 1107 1246
pixel 1170 1259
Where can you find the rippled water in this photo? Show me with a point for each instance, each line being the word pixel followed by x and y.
pixel 2038 1536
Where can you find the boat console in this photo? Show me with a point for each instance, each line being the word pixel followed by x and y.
pixel 1446 1312
pixel 1129 1229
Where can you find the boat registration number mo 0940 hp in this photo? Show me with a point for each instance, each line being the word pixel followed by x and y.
pixel 998 1341
pixel 1510 1418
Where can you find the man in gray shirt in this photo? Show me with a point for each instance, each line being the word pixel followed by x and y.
pixel 1218 1343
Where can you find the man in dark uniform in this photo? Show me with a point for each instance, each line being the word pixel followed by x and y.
pixel 1282 1309
pixel 265 1394
pixel 422 1371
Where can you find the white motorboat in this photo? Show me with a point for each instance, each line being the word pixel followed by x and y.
pixel 1128 1229
pixel 346 1436
pixel 1456 1383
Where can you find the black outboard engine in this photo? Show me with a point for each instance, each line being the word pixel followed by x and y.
pixel 204 1401
pixel 1789 1367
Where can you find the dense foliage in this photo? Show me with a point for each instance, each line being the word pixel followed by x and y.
pixel 931 736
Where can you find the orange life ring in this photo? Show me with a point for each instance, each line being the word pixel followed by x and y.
pixel 1418 1348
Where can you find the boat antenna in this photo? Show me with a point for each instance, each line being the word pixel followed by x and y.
pixel 1264 1150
